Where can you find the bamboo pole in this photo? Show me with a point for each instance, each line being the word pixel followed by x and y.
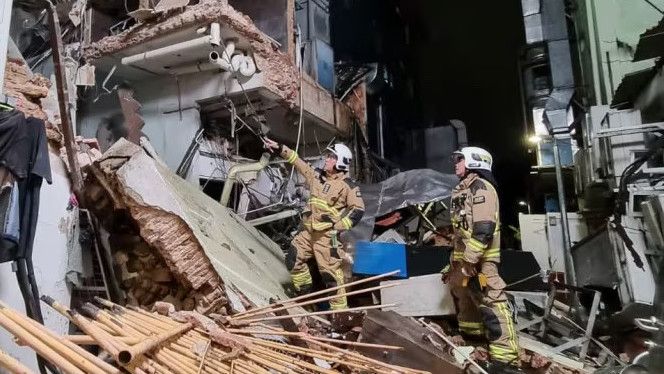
pixel 143 329
pixel 88 340
pixel 367 359
pixel 41 348
pixel 300 334
pixel 314 301
pixel 207 348
pixel 114 326
pixel 58 344
pixel 326 312
pixel 340 359
pixel 293 360
pixel 127 355
pixel 156 316
pixel 252 312
pixel 184 363
pixel 13 365
pixel 106 341
pixel 158 366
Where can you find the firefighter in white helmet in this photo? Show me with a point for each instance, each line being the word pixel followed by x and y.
pixel 476 286
pixel 335 204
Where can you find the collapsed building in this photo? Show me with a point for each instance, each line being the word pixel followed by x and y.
pixel 158 196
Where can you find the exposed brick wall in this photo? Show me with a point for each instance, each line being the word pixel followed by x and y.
pixel 28 92
pixel 171 236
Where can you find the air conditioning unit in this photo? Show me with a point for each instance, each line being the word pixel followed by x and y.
pixel 313 18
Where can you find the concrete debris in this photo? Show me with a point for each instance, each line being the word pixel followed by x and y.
pixel 203 244
pixel 87 151
pixel 280 74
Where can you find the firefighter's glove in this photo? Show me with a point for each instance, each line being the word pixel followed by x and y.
pixel 483 280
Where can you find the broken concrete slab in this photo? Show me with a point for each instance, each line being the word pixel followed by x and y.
pixel 418 353
pixel 204 244
pixel 419 296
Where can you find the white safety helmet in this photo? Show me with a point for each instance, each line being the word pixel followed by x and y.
pixel 475 158
pixel 344 156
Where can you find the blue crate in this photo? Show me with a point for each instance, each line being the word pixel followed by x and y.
pixel 372 258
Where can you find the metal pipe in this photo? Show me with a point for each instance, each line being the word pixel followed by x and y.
pixel 569 261
pixel 273 217
pixel 224 60
pixel 212 40
pixel 238 169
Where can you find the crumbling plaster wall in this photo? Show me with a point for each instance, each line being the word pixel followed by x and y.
pixel 50 261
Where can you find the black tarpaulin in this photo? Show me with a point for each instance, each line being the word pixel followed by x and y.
pixel 405 189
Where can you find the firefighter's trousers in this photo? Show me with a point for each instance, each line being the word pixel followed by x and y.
pixel 486 313
pixel 323 246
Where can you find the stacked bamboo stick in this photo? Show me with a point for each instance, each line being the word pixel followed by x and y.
pixel 149 343
pixel 258 315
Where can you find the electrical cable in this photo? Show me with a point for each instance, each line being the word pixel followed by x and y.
pixel 628 174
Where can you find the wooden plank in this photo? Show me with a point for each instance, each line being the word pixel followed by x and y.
pixel 419 296
pixel 392 329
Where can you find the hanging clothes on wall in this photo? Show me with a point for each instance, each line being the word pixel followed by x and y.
pixel 24 153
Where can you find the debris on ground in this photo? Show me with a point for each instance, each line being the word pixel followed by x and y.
pixel 143 342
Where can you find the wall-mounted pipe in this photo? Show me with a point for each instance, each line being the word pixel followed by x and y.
pixel 215 34
pixel 238 169
pixel 213 39
pixel 223 60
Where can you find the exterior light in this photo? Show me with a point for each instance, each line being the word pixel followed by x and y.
pixel 534 139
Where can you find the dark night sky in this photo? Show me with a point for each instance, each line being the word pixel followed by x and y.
pixel 462 59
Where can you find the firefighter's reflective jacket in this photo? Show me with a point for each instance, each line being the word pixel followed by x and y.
pixel 335 201
pixel 475 220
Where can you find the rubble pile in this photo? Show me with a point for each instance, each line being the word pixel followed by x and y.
pixel 145 277
pixel 180 342
pixel 172 243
